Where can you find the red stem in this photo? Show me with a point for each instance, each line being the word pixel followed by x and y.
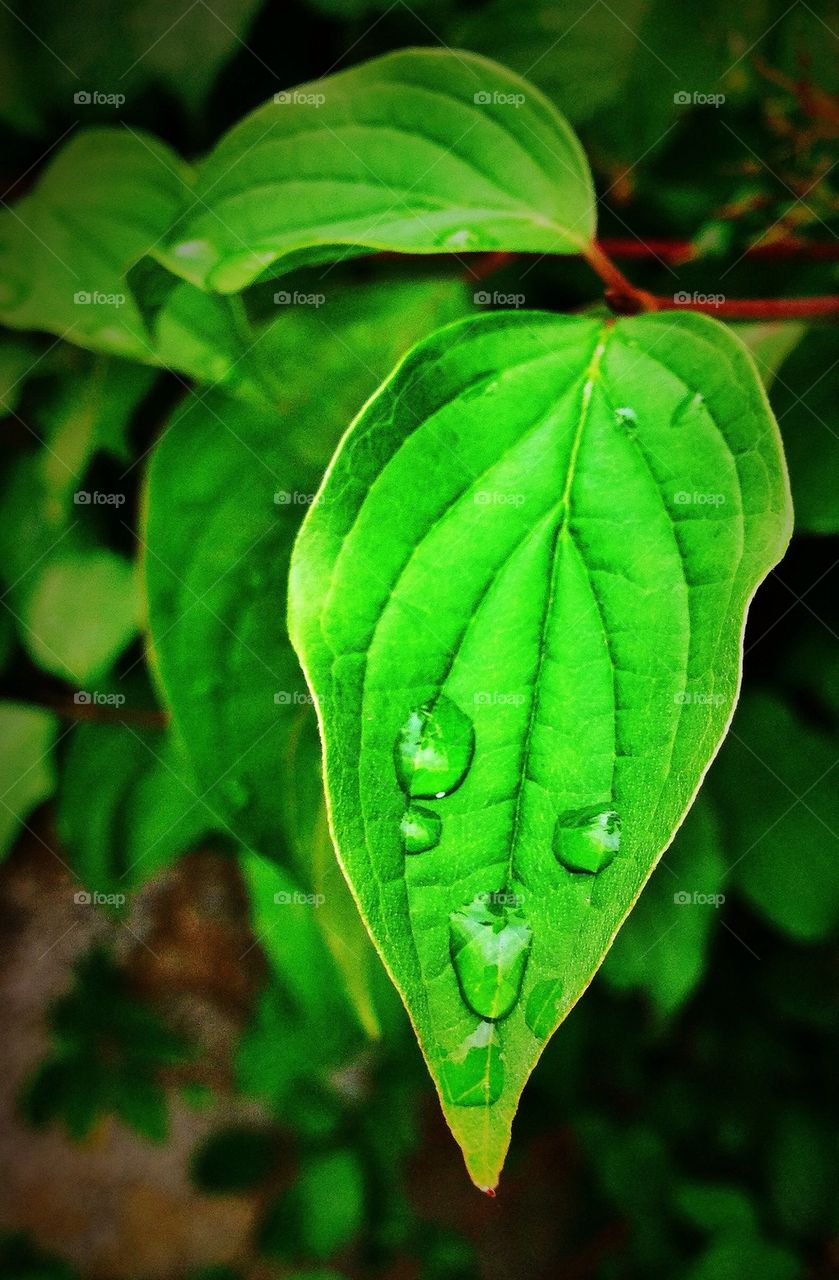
pixel 824 308
pixel 676 252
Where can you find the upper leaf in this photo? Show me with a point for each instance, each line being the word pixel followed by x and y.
pixel 422 151
pixel 519 599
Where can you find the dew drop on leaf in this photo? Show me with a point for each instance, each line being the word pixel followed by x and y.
pixel 626 417
pixel 541 1012
pixel 687 409
pixel 489 942
pixel 420 829
pixel 473 1076
pixel 587 839
pixel 434 750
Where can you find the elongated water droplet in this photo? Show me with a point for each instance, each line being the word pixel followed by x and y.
pixel 587 839
pixel 420 829
pixel 626 417
pixel 434 750
pixel 490 943
pixel 474 1075
pixel 689 408
pixel 542 1008
pixel 464 238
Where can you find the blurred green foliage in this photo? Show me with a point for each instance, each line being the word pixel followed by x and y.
pixel 683 1122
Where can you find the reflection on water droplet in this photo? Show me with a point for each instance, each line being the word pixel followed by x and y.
pixel 420 829
pixel 542 1008
pixel 474 1075
pixel 687 409
pixel 464 238
pixel 434 750
pixel 626 417
pixel 489 942
pixel 587 839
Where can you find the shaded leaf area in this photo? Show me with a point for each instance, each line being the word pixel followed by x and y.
pixel 509 748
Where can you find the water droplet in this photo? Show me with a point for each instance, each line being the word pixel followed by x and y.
pixel 434 750
pixel 688 408
pixel 626 417
pixel 587 839
pixel 461 239
pixel 420 829
pixel 490 943
pixel 474 1075
pixel 542 1008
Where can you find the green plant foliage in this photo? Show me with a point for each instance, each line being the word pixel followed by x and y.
pixel 106 1055
pixel 234 1159
pixel 321 1214
pixel 413 152
pixel 103 202
pixel 27 773
pixel 128 805
pixel 412 663
pixel 805 397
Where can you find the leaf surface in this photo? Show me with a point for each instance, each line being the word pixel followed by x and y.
pixel 421 151
pixel 519 600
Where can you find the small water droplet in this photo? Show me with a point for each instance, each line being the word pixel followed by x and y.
pixel 692 404
pixel 420 829
pixel 626 417
pixel 474 1075
pixel 490 944
pixel 461 239
pixel 587 839
pixel 542 1008
pixel 434 750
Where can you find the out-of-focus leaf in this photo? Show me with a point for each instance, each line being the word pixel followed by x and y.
pixel 423 151
pixel 18 357
pixel 79 614
pixel 663 945
pixel 803 1169
pixel 65 248
pixel 776 782
pixel 321 1213
pixel 27 774
pixel 733 1258
pixel 805 397
pixel 716 1207
pixel 234 1159
pixel 770 344
pixel 128 805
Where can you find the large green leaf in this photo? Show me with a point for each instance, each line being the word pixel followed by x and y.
pixel 422 151
pixel 102 202
pixel 519 600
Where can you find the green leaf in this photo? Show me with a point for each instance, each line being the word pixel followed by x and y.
pixel 235 1159
pixel 80 613
pixel 731 1258
pixel 662 948
pixel 127 806
pixel 781 812
pixel 27 776
pixel 321 1213
pixel 769 345
pixel 716 1207
pixel 519 600
pixel 17 360
pixel 103 201
pixel 421 151
pixel 805 396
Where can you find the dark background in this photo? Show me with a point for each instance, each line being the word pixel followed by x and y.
pixel 178 1097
